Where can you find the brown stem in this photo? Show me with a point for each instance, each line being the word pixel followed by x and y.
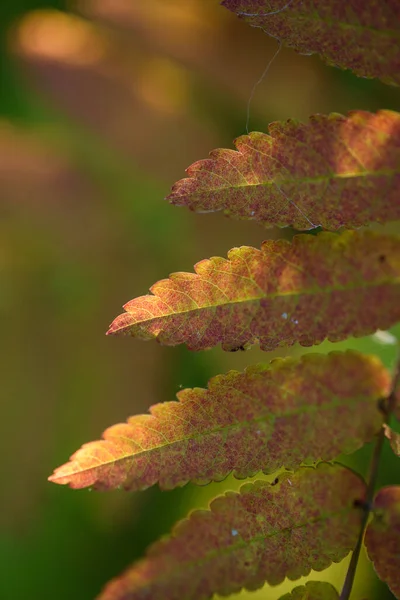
pixel 388 408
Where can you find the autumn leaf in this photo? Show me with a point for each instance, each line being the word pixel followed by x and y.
pixel 333 171
pixel 363 37
pixel 394 439
pixel 382 538
pixel 313 590
pixel 282 414
pixel 325 286
pixel 264 533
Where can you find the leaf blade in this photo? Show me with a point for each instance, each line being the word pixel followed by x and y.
pixel 317 287
pixel 382 538
pixel 267 417
pixel 304 175
pixel 264 533
pixel 313 590
pixel 364 38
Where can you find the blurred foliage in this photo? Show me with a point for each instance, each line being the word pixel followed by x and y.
pixel 102 108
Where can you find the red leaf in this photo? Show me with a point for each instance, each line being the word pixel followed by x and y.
pixel 267 417
pixel 361 36
pixel 382 538
pixel 313 590
pixel 317 287
pixel 264 533
pixel 333 171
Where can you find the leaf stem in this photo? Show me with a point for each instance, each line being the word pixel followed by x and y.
pixel 387 409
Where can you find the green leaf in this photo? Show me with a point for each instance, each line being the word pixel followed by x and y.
pixel 382 537
pixel 325 286
pixel 394 439
pixel 264 533
pixel 313 590
pixel 267 417
pixel 333 171
pixel 363 37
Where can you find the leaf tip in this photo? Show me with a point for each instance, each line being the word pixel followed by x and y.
pixel 57 477
pixel 119 325
pixel 69 474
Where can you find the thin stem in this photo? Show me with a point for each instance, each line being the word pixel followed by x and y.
pixel 373 475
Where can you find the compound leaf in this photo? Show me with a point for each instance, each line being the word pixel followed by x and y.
pixel 361 36
pixel 267 417
pixel 313 590
pixel 264 533
pixel 325 286
pixel 394 439
pixel 333 171
pixel 382 538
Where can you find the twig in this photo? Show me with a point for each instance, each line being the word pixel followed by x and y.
pixel 388 408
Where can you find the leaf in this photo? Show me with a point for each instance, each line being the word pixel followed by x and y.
pixel 333 171
pixel 264 533
pixel 382 538
pixel 313 590
pixel 267 417
pixel 363 37
pixel 325 286
pixel 394 439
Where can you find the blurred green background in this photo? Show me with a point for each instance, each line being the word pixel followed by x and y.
pixel 103 104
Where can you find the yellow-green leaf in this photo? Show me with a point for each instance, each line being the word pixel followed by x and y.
pixel 313 590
